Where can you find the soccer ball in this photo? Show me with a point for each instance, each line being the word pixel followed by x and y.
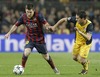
pixel 18 70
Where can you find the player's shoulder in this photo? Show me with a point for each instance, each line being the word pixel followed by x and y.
pixel 38 13
pixel 23 15
pixel 90 25
pixel 89 21
pixel 72 19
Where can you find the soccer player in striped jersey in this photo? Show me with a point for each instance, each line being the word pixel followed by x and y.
pixel 34 22
pixel 83 38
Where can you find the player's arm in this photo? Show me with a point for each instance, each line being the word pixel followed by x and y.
pixel 58 23
pixel 14 27
pixel 44 22
pixel 87 36
pixel 47 26
pixel 89 30
pixel 67 19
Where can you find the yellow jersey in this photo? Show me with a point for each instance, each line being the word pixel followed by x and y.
pixel 87 28
pixel 79 38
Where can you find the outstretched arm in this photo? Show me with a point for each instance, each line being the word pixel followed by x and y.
pixel 58 24
pixel 47 25
pixel 14 27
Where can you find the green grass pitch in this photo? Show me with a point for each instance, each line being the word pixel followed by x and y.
pixel 37 67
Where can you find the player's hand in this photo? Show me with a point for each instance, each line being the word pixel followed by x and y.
pixel 7 36
pixel 48 28
pixel 77 29
pixel 52 28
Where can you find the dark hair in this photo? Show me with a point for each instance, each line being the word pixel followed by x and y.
pixel 73 13
pixel 82 14
pixel 29 6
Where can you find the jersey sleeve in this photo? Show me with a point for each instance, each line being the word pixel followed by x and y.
pixel 72 19
pixel 19 21
pixel 42 19
pixel 89 28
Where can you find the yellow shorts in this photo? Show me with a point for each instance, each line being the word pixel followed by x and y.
pixel 81 49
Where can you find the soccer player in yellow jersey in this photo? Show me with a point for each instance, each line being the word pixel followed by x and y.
pixel 83 38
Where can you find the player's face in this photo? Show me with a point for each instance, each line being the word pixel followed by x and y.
pixel 80 20
pixel 29 13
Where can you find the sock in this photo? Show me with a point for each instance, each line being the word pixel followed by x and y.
pixel 85 65
pixel 24 59
pixel 51 63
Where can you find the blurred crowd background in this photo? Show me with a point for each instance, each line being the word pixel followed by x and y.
pixel 52 10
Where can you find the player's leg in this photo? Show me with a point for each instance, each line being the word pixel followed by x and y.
pixel 84 51
pixel 75 53
pixel 27 51
pixel 50 62
pixel 84 62
pixel 76 57
pixel 43 50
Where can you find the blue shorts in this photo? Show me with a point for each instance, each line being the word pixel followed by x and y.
pixel 41 48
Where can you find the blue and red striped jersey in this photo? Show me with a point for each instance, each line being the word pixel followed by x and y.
pixel 34 27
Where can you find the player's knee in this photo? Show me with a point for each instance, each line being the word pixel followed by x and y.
pixel 46 56
pixel 83 60
pixel 75 59
pixel 27 51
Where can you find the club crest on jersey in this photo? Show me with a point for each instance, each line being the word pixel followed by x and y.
pixel 84 29
pixel 34 19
